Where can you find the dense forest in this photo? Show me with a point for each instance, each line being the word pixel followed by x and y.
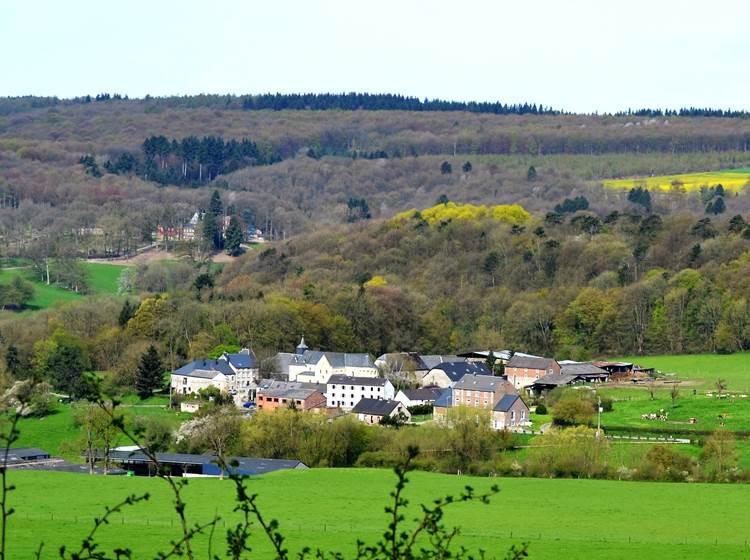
pixel 516 243
pixel 71 167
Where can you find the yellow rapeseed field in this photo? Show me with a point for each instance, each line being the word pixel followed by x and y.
pixel 730 179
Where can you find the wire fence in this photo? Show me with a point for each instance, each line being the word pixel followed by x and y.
pixel 523 536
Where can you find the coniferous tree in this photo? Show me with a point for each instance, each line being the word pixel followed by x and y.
pixel 467 167
pixel 150 375
pixel 216 207
pixel 737 224
pixel 234 237
pixel 126 313
pixel 531 174
pixel 716 206
pixel 13 360
pixel 446 168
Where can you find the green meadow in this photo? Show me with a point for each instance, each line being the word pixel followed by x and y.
pixel 702 369
pixel 102 278
pixel 56 431
pixel 324 508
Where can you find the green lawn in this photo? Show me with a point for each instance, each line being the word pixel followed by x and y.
pixel 324 507
pixel 705 368
pixel 53 431
pixel 102 280
pixel 44 296
pixel 627 410
pixel 103 277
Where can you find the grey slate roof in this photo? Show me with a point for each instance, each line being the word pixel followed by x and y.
pixel 404 360
pixel 583 370
pixel 505 404
pixel 498 354
pixel 283 360
pixel 21 454
pixel 423 394
pixel 205 369
pixel 339 359
pixel 244 359
pixel 530 362
pixel 555 379
pixel 456 370
pixel 338 379
pixel 432 360
pixel 485 383
pixel 375 407
pixel 276 388
pixel 445 399
pixel 248 465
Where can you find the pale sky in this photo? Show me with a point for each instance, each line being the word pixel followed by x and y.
pixel 577 55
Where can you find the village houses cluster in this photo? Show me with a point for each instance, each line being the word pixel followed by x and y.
pixel 391 387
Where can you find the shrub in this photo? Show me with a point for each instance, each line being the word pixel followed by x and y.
pixel 541 408
pixel 572 410
pixel 420 409
pixel 663 462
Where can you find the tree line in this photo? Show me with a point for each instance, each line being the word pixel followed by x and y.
pixel 188 161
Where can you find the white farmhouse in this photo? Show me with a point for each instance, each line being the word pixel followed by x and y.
pixel 344 392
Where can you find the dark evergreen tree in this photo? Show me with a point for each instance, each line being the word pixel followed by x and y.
pixel 640 196
pixel 216 207
pixel 233 242
pixel 13 361
pixel 467 167
pixel 531 174
pixel 446 168
pixel 737 224
pixel 126 313
pixel 704 229
pixel 442 199
pixel 66 367
pixel 716 206
pixel 150 376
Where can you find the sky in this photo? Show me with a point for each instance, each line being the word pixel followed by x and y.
pixel 575 55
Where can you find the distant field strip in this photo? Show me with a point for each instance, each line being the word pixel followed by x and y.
pixel 730 179
pixel 332 508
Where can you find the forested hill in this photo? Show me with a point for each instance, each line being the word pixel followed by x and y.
pixel 456 277
pixel 124 166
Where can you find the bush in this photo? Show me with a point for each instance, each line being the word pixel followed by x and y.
pixel 663 462
pixel 572 410
pixel 420 409
pixel 541 408
pixel 607 404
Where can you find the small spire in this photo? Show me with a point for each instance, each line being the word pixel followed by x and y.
pixel 301 347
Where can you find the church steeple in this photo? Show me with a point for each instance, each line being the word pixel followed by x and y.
pixel 301 347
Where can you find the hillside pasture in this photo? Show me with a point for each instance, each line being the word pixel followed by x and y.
pixel 731 179
pixel 323 508
pixel 56 431
pixel 102 279
pixel 702 370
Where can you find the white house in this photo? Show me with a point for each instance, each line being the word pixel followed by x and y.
pixel 416 397
pixel 201 374
pixel 344 392
pixel 510 413
pixel 246 371
pixel 236 374
pixel 372 411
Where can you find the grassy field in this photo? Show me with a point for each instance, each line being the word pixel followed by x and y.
pixel 102 280
pixel 54 432
pixel 323 507
pixel 703 369
pixel 731 179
